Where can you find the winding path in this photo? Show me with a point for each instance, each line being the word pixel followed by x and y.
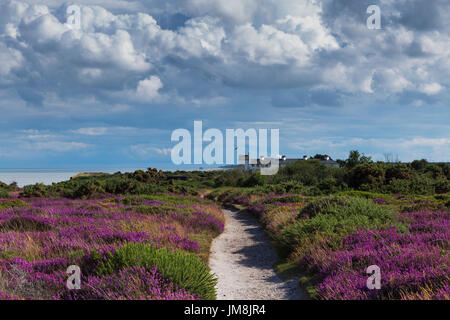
pixel 242 259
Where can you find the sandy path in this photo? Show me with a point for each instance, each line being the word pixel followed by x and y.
pixel 242 259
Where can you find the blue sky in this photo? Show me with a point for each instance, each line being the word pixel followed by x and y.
pixel 111 93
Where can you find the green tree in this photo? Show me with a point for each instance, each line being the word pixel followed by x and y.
pixel 355 158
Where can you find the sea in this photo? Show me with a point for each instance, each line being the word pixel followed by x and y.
pixel 25 177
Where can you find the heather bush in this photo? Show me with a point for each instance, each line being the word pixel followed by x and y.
pixel 40 237
pixel 24 224
pixel 135 283
pixel 414 265
pixel 335 218
pixel 185 270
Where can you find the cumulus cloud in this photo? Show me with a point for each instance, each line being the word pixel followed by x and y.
pixel 147 89
pixel 310 46
pixel 431 88
pixel 136 64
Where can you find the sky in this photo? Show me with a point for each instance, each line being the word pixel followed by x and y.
pixel 111 93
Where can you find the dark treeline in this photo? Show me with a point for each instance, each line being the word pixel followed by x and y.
pixel 358 172
pixel 309 177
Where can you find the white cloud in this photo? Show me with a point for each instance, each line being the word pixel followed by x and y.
pixel 431 88
pixel 98 131
pixel 147 89
pixel 146 150
pixel 390 80
pixel 408 149
pixel 268 46
pixel 58 146
pixel 276 44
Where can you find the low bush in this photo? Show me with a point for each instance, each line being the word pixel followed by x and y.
pixel 185 270
pixel 35 191
pixel 4 194
pixel 23 224
pixel 335 218
pixel 12 204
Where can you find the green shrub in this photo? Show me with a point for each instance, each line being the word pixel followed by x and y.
pixel 292 186
pixel 417 185
pixel 434 171
pixel 36 190
pixel 313 191
pixel 308 173
pixel 419 165
pixel 285 199
pixel 399 171
pixel 4 194
pixel 442 186
pixel 12 204
pixel 185 270
pixel 256 179
pixel 8 254
pixel 11 187
pixel 364 194
pixel 162 209
pixel 370 174
pixel 317 206
pixel 335 218
pixel 328 185
pixel 88 190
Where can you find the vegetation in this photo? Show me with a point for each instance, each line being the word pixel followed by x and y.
pixel 124 249
pixel 332 240
pixel 147 234
pixel 185 270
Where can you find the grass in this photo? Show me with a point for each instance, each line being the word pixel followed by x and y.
pixel 185 270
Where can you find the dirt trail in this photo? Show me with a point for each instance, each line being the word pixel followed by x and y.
pixel 242 259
